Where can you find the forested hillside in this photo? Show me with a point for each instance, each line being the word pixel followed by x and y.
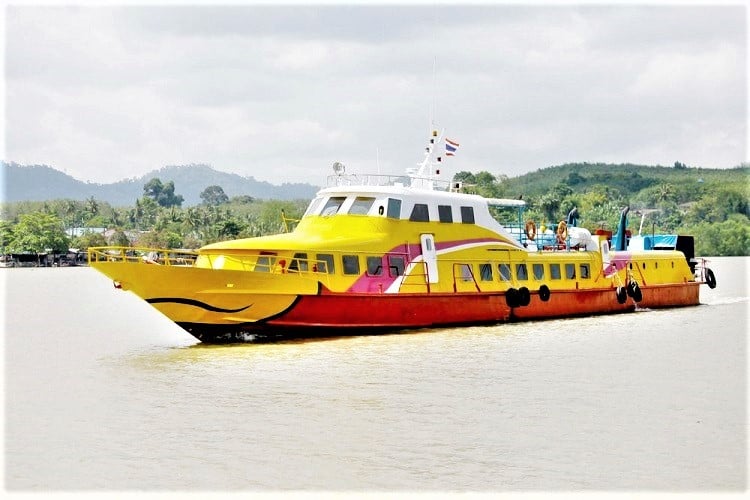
pixel 41 182
pixel 712 205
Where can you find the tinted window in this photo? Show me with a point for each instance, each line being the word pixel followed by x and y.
pixel 396 266
pixel 351 264
pixel 466 272
pixel 299 262
pixel 504 270
pixel 585 274
pixel 485 272
pixel 521 272
pixel 554 271
pixel 314 206
pixel 539 272
pixel 332 205
pixel 419 213
pixel 570 271
pixel 374 266
pixel 445 212
pixel 361 205
pixel 467 215
pixel 394 208
pixel 325 264
pixel 263 264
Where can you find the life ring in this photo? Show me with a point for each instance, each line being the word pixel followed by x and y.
pixel 544 293
pixel 710 278
pixel 562 232
pixel 530 230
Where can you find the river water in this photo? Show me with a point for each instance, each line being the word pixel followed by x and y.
pixel 104 393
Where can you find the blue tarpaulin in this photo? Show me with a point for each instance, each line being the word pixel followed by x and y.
pixel 660 241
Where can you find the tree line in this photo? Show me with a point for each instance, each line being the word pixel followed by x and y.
pixel 715 210
pixel 157 219
pixel 713 206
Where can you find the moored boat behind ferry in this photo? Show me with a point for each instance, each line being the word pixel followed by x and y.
pixel 374 253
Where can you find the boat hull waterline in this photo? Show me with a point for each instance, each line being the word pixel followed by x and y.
pixel 216 313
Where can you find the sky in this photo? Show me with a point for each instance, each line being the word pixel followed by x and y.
pixel 280 92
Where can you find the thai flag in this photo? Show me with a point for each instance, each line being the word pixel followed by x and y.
pixel 450 147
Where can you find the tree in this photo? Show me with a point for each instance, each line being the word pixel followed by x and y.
pixel 665 192
pixel 38 231
pixel 465 177
pixel 549 204
pixel 119 239
pixel 89 239
pixel 214 195
pixel 6 235
pixel 575 178
pixel 91 208
pixel 242 199
pixel 162 194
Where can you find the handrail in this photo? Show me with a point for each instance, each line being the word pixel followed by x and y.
pixel 163 256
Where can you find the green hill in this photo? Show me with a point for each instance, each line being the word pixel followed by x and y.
pixel 711 204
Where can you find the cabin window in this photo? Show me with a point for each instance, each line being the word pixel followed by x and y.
pixel 374 266
pixel 467 215
pixel 351 264
pixel 265 262
pixel 325 263
pixel 522 273
pixel 539 272
pixel 394 208
pixel 313 208
pixel 263 265
pixel 419 213
pixel 554 271
pixel 299 262
pixel 570 271
pixel 395 266
pixel 332 205
pixel 504 271
pixel 585 272
pixel 644 265
pixel 445 213
pixel 485 272
pixel 361 205
pixel 466 272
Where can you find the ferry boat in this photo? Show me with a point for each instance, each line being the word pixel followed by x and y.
pixel 377 253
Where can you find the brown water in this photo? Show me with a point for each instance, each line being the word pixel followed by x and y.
pixel 102 392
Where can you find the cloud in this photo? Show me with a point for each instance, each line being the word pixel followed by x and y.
pixel 281 92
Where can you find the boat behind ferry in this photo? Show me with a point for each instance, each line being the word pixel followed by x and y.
pixel 376 253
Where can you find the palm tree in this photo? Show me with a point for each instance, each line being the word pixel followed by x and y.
pixel 91 208
pixel 665 192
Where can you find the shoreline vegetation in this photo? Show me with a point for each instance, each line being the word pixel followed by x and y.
pixel 712 205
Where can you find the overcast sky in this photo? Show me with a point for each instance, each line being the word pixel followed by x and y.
pixel 281 92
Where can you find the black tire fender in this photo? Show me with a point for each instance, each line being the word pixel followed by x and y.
pixel 512 298
pixel 622 294
pixel 524 296
pixel 710 278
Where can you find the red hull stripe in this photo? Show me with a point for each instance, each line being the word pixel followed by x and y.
pixel 424 310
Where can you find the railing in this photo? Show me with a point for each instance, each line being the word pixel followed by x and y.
pixel 174 257
pixel 387 180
